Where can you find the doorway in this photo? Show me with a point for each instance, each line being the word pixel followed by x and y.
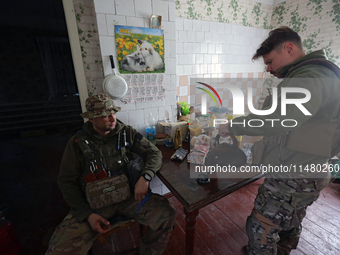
pixel 39 112
pixel 38 88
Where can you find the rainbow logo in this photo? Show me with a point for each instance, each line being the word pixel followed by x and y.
pixel 209 93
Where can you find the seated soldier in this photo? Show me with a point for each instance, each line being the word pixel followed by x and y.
pixel 103 132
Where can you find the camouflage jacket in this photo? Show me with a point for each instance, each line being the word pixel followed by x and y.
pixel 324 87
pixel 75 164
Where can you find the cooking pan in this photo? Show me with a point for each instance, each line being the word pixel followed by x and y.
pixel 115 85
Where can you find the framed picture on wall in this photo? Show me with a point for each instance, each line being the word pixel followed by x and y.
pixel 155 21
pixel 140 49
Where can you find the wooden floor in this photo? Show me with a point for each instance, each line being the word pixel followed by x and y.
pixel 220 227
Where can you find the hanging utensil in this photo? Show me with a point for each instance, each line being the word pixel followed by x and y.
pixel 115 85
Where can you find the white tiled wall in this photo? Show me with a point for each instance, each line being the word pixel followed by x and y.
pixel 192 48
pixel 209 49
pixel 137 13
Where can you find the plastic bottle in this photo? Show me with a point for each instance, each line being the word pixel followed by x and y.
pixel 211 121
pixel 151 128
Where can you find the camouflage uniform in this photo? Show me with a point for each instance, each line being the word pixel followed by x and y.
pixel 74 235
pixel 274 225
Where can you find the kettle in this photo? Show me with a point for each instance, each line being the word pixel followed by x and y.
pixel 226 154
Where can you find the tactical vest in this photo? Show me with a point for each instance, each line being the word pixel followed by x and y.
pixel 305 138
pixel 111 156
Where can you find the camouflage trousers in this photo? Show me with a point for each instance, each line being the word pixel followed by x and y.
pixel 274 225
pixel 73 237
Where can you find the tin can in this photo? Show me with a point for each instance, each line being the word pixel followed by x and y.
pixel 169 141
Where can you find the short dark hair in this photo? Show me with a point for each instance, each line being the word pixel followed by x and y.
pixel 275 39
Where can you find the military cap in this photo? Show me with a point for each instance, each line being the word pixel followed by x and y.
pixel 99 106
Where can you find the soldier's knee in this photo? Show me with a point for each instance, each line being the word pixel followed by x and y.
pixel 167 211
pixel 262 237
pixel 168 215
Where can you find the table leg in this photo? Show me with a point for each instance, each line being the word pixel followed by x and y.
pixel 190 219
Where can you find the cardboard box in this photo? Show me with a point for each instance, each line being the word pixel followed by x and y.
pixel 184 118
pixel 170 129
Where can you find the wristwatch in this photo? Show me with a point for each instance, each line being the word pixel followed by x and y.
pixel 147 177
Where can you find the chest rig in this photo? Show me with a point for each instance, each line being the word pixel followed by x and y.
pixel 109 154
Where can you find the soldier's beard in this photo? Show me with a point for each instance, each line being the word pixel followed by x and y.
pixel 111 126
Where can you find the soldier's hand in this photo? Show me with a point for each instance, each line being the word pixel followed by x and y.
pixel 141 188
pixel 223 130
pixel 98 223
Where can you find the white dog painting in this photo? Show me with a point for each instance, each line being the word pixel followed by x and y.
pixel 153 60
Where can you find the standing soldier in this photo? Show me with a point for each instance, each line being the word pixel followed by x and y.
pixel 274 225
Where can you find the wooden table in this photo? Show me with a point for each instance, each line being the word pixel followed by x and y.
pixel 176 177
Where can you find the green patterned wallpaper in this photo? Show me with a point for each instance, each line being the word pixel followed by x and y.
pixel 317 21
pixel 89 45
pixel 244 12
